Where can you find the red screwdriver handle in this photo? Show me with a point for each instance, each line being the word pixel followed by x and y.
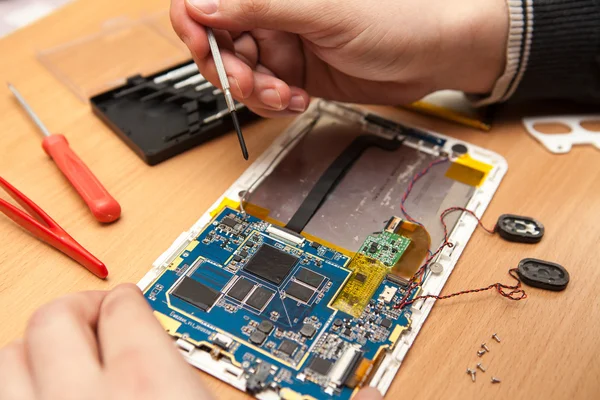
pixel 104 207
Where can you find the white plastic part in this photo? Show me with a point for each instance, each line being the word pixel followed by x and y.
pixel 177 74
pixel 448 258
pixel 388 294
pixel 192 80
pixel 560 143
pixel 204 86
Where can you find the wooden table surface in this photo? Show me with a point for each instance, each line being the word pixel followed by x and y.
pixel 550 341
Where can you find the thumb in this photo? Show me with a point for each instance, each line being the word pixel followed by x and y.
pixel 282 15
pixel 368 393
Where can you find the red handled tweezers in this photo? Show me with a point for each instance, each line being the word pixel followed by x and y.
pixel 40 225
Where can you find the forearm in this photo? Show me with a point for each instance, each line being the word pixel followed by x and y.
pixel 553 51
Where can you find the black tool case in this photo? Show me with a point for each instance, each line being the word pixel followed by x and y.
pixel 158 121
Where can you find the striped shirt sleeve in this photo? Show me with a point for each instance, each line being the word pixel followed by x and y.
pixel 519 36
pixel 553 51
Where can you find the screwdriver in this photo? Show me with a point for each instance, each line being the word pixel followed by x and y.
pixel 102 205
pixel 216 53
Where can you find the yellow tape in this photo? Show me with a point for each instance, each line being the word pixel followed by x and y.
pixel 225 203
pixel 469 171
pixel 367 275
pixel 326 243
pixel 257 211
pixel 447 114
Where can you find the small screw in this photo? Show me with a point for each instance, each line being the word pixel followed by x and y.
pixel 480 367
pixel 484 346
pixel 480 353
pixel 495 337
pixel 472 373
pixel 495 380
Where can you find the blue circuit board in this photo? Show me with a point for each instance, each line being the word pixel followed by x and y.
pixel 267 301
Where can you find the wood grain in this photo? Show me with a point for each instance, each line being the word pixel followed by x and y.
pixel 550 343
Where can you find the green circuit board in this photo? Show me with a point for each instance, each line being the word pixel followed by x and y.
pixel 387 247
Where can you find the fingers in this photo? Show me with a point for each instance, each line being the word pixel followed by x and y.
pixel 188 30
pixel 246 49
pixel 16 379
pixel 284 15
pixel 128 329
pixel 260 89
pixel 368 393
pixel 139 357
pixel 299 101
pixel 270 92
pixel 240 75
pixel 257 86
pixel 194 36
pixel 61 347
pixel 273 97
pixel 283 54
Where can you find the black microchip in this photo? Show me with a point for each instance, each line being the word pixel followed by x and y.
pixel 265 327
pixel 271 264
pixel 308 330
pixel 320 365
pixel 220 343
pixel 230 222
pixel 347 332
pixel 241 289
pixel 196 293
pixel 299 292
pixel 315 245
pixel 237 258
pixel 288 347
pixel 244 253
pixel 259 298
pixel 360 277
pixel 386 323
pixel 309 277
pixel 257 337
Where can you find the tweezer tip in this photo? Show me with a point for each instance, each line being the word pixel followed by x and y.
pixel 238 130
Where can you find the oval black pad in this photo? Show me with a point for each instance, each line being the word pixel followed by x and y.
pixel 543 274
pixel 517 228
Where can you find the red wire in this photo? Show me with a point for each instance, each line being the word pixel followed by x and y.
pixel 515 293
pixel 412 182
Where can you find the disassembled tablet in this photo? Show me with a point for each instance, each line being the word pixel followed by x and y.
pixel 289 286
